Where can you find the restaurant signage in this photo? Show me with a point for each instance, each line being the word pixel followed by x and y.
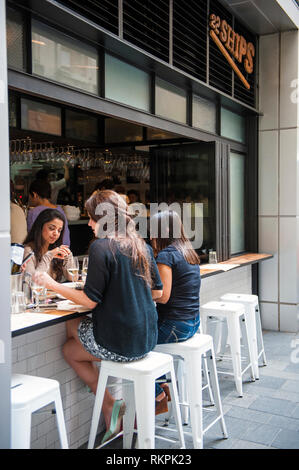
pixel 233 46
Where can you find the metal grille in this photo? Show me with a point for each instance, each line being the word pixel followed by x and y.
pixel 240 92
pixel 146 24
pixel 190 37
pixel 15 39
pixel 102 12
pixel 220 72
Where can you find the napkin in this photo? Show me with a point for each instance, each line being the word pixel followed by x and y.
pixel 222 267
pixel 69 305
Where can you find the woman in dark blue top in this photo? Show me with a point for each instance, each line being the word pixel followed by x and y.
pixel 178 265
pixel 122 282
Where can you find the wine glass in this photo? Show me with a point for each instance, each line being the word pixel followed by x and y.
pixel 73 268
pixel 84 268
pixel 37 291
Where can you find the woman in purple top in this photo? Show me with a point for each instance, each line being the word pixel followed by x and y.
pixel 39 199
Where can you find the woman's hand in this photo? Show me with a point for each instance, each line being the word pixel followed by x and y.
pixel 61 252
pixel 43 279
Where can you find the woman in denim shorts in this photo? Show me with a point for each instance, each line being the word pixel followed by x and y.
pixel 178 308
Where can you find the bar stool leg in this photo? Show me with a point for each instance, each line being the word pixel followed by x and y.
pixel 129 416
pixel 207 379
pixel 60 421
pixel 260 334
pixel 234 340
pixel 193 365
pixel 251 354
pixel 252 341
pixel 215 386
pixel 102 382
pixel 145 411
pixel 181 380
pixel 21 429
pixel 175 406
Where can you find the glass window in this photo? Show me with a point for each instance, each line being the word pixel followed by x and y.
pixel 204 114
pixel 15 39
pixel 237 201
pixel 126 84
pixel 232 125
pixel 40 117
pixel 121 131
pixel 57 57
pixel 12 103
pixel 171 101
pixel 81 126
pixel 157 134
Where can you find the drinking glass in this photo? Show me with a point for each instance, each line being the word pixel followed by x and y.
pixel 37 292
pixel 213 257
pixel 73 268
pixel 84 269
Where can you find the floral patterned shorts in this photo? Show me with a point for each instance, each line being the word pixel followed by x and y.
pixel 85 334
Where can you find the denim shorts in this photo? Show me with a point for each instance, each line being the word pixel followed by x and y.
pixel 175 331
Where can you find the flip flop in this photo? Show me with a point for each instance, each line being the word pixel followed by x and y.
pixel 118 410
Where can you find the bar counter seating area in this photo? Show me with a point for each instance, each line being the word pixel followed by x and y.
pixel 152 297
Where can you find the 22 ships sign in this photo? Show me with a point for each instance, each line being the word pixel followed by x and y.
pixel 233 46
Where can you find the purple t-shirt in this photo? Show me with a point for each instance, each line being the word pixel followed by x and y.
pixel 33 213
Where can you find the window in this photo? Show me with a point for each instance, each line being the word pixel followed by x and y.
pixel 126 84
pixel 40 117
pixel 204 114
pixel 81 126
pixel 237 202
pixel 171 101
pixel 57 57
pixel 232 125
pixel 15 39
pixel 121 131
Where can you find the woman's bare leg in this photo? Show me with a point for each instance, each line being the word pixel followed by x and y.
pixel 82 363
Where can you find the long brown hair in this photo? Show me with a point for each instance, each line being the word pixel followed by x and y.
pixel 175 236
pixel 35 239
pixel 124 232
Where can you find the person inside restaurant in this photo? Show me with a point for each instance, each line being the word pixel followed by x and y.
pixel 39 200
pixel 122 283
pixel 178 307
pixel 18 224
pixel 56 185
pixel 45 240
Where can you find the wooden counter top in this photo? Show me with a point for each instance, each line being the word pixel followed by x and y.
pixel 243 260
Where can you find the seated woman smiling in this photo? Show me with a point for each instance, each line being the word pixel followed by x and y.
pixel 45 240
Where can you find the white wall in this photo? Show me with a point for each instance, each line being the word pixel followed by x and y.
pixel 279 180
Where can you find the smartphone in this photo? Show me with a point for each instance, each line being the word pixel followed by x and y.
pixel 27 258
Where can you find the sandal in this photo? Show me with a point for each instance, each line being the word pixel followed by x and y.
pixel 118 411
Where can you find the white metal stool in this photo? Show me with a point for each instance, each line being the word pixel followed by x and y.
pixel 29 394
pixel 252 312
pixel 192 352
pixel 143 374
pixel 233 313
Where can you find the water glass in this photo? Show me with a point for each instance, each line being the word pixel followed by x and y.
pixel 37 291
pixel 18 303
pixel 212 257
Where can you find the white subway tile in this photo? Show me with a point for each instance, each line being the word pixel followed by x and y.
pixel 289 67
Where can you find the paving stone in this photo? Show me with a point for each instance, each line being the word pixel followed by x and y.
pixel 241 444
pixel 249 415
pixel 286 440
pixel 264 434
pixel 283 422
pixel 273 405
pixel 291 386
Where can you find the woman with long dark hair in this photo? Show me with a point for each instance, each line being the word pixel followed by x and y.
pixel 122 281
pixel 178 265
pixel 45 240
pixel 39 200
